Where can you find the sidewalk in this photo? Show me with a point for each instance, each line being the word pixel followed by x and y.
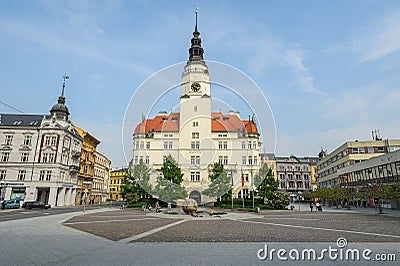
pixel 44 240
pixel 305 207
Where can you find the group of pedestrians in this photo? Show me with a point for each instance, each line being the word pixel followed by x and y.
pixel 318 206
pixel 157 208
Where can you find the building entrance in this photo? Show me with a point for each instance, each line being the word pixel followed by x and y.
pixel 196 196
pixel 43 195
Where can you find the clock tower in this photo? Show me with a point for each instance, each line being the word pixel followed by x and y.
pixel 195 78
pixel 197 138
pixel 195 113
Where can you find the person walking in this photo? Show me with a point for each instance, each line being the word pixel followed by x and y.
pixel 318 206
pixel 311 206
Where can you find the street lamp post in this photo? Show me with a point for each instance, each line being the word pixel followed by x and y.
pixel 298 191
pixel 298 194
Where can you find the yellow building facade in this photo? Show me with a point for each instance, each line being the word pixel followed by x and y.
pixel 269 159
pixel 115 183
pixel 86 168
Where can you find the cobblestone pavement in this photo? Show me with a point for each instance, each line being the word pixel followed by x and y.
pixel 265 227
pixel 116 225
pixel 132 237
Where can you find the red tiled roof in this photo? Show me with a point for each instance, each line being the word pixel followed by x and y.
pixel 219 123
pixel 158 124
pixel 250 126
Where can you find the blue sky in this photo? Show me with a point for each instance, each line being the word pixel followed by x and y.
pixel 329 69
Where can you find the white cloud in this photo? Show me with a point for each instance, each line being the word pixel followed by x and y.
pixel 295 59
pixel 375 103
pixel 374 41
pixel 249 41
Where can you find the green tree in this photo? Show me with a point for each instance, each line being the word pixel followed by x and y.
pixel 268 188
pixel 394 191
pixel 216 171
pixel 266 182
pixel 220 182
pixel 136 183
pixel 168 187
pixel 337 193
pixel 381 192
pixel 171 171
pixel 280 200
pixel 262 174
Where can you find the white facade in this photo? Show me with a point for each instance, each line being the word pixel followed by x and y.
pixel 39 157
pixel 101 177
pixel 196 137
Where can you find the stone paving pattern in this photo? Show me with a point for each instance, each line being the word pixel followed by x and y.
pixel 268 227
pixel 50 239
pixel 116 225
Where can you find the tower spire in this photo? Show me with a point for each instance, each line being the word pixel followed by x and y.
pixel 196 11
pixel 65 77
pixel 196 51
pixel 60 110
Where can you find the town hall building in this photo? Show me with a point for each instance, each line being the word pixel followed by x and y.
pixel 197 137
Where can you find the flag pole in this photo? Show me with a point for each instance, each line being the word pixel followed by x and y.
pixel 232 196
pixel 232 187
pixel 252 184
pixel 242 187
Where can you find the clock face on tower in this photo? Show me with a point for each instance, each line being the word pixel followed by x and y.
pixel 195 87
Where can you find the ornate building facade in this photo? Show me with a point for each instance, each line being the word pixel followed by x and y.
pixel 296 174
pixel 196 137
pixel 86 193
pixel 39 156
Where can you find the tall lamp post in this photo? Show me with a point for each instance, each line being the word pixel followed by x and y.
pixel 301 180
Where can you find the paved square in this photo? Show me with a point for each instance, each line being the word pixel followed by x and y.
pixel 131 237
pixel 272 226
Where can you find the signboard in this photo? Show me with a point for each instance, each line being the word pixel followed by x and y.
pixel 12 184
